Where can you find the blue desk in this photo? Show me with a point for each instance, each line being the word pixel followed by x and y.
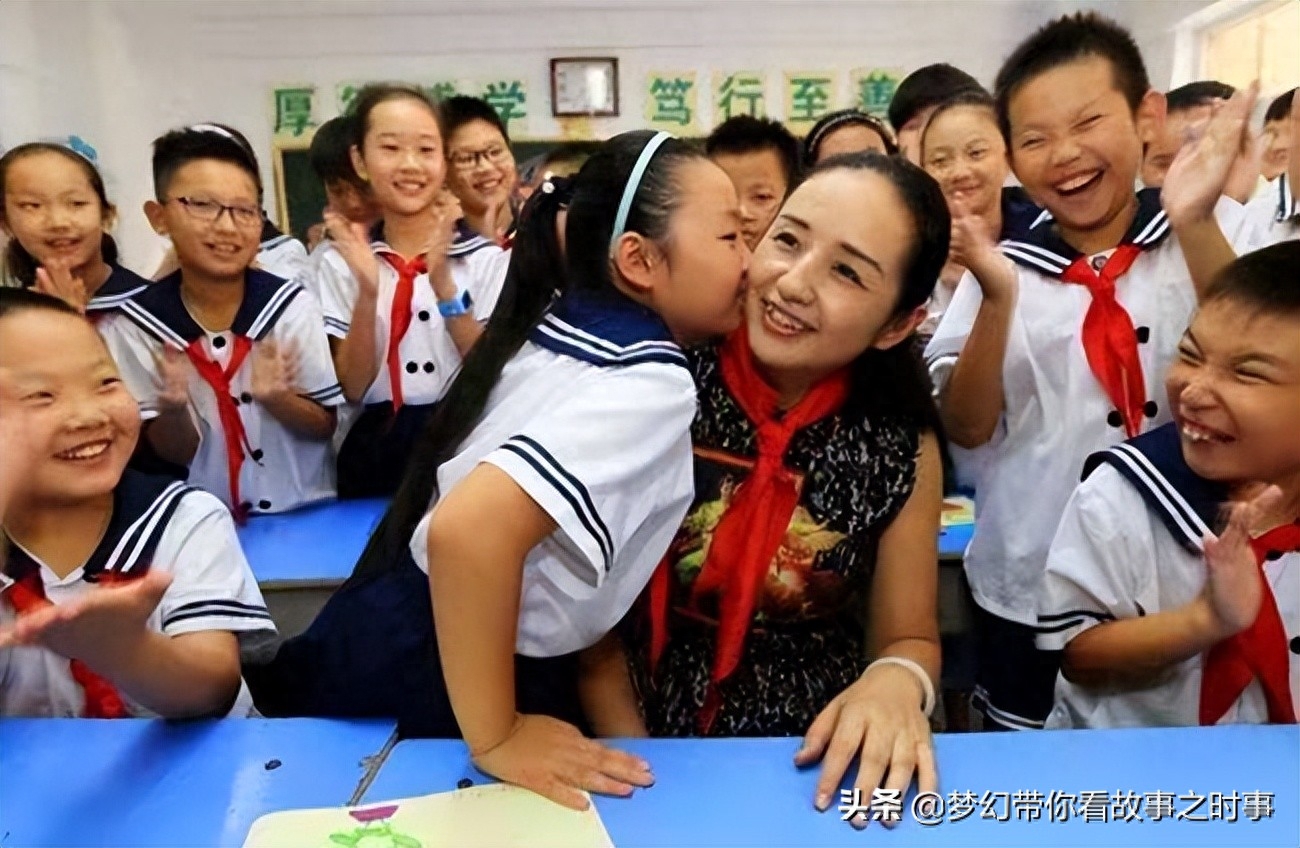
pixel 317 544
pixel 953 542
pixel 745 792
pixel 142 783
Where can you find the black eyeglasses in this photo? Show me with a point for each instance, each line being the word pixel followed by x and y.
pixel 208 211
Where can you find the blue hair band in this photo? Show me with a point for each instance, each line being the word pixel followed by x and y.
pixel 634 183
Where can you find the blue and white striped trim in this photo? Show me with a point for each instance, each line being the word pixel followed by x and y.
pixel 153 325
pixel 273 309
pixel 1038 257
pixel 216 609
pixel 468 246
pixel 563 337
pixel 112 301
pixel 126 554
pixel 273 243
pixel 1043 217
pixel 1287 207
pixel 567 486
pixel 1141 472
pixel 1154 230
pixel 1059 621
pixel 980 701
pixel 325 394
pixel 334 326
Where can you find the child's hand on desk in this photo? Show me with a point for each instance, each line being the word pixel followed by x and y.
pixel 554 759
pixel 56 279
pixel 1234 588
pixel 102 623
pixel 353 243
pixel 879 718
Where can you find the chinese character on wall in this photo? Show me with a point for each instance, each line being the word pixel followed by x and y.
pixel 740 93
pixel 808 97
pixel 671 101
pixel 873 88
pixel 509 98
pixel 293 110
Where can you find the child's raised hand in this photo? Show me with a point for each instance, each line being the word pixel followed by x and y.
pixel 1199 174
pixel 353 244
pixel 441 234
pixel 1234 588
pixel 275 372
pixel 974 247
pixel 554 759
pixel 174 371
pixel 56 279
pixel 102 621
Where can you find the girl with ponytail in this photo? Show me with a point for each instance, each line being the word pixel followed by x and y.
pixel 545 488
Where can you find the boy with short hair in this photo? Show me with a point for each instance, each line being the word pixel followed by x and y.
pixel 762 158
pixel 232 362
pixel 1187 109
pixel 1059 350
pixel 1275 139
pixel 1162 622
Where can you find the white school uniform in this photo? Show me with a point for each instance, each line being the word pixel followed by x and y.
pixel 428 355
pixel 592 419
pixel 281 469
pixel 1055 412
pixel 160 524
pixel 284 256
pixel 1115 557
pixel 1274 216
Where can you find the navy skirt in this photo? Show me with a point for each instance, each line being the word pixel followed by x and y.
pixel 373 457
pixel 373 653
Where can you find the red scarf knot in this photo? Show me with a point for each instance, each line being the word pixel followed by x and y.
pixel 400 317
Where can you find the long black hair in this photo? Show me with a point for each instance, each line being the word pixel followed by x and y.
pixel 895 382
pixel 538 271
pixel 19 263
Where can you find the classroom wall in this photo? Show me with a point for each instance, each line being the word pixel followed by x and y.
pixel 120 73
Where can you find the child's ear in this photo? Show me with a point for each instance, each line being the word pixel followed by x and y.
pixel 153 210
pixel 899 329
pixel 358 164
pixel 110 218
pixel 1150 116
pixel 635 261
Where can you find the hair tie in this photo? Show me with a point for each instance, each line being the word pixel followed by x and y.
pixel 213 128
pixel 634 183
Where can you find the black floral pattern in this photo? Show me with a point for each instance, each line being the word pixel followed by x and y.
pixel 806 643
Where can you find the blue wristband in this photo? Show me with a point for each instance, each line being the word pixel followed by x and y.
pixel 458 305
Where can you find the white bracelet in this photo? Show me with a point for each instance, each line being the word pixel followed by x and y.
pixel 924 679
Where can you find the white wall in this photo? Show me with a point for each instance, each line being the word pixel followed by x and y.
pixel 119 74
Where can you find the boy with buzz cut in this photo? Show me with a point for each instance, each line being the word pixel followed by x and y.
pixel 1187 109
pixel 231 363
pixel 762 158
pixel 346 194
pixel 1161 621
pixel 1049 351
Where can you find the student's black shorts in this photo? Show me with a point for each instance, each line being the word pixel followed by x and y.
pixel 373 457
pixel 373 653
pixel 1014 680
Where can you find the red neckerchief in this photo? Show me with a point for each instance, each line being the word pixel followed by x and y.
pixel 1258 652
pixel 399 317
pixel 232 425
pixel 1109 339
pixel 750 532
pixel 102 700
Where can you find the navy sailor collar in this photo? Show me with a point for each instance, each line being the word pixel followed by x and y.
pixel 1287 207
pixel 606 329
pixel 122 285
pixel 1187 504
pixel 1041 248
pixel 143 505
pixel 159 310
pixel 463 243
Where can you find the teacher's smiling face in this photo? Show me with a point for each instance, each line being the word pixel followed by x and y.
pixel 825 281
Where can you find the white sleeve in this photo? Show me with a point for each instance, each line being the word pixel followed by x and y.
pixel 212 586
pixel 337 289
pixel 597 463
pixel 1101 564
pixel 301 327
pixel 950 336
pixel 487 275
pixel 1239 227
pixel 134 352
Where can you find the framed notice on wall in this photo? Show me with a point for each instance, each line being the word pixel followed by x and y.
pixel 584 86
